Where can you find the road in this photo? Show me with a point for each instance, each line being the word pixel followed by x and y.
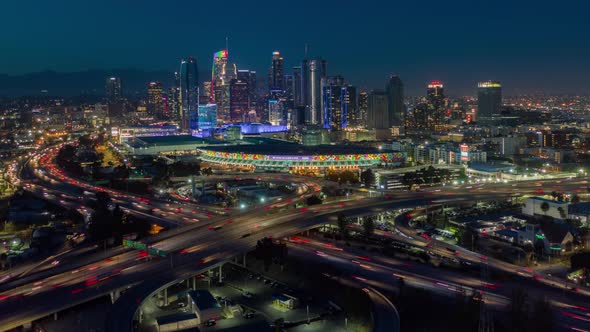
pixel 380 272
pixel 197 245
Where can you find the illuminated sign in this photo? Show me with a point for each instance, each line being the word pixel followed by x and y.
pixel 464 152
pixel 489 84
pixel 435 84
pixel 220 54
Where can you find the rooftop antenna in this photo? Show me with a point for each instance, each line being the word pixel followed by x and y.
pixel 306 50
pixel 227 43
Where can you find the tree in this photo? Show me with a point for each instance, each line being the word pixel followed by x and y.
pixel 545 207
pixel 368 226
pixel 343 225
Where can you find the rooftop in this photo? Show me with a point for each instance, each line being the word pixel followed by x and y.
pixel 170 140
pixel 203 299
pixel 275 148
pixel 179 317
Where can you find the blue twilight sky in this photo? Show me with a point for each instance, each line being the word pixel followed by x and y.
pixel 531 46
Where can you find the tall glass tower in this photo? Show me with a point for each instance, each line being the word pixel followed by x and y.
pixel 189 92
pixel 395 105
pixel 489 99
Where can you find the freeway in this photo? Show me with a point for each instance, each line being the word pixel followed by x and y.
pixel 197 246
pixel 381 272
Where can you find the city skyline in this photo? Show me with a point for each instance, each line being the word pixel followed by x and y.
pixel 529 48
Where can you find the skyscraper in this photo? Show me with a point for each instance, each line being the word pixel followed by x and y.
pixel 275 75
pixel 222 74
pixel 249 76
pixel 207 118
pixel 339 103
pixel 275 112
pixel 114 94
pixel 155 102
pixel 362 109
pixel 489 99
pixel 114 90
pixel 205 93
pixel 312 73
pixel 436 104
pixel 297 86
pixel 378 112
pixel 189 93
pixel 239 100
pixel 217 74
pixel 395 102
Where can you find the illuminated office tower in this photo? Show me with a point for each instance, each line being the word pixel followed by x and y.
pixel 249 76
pixel 222 74
pixel 362 109
pixel 205 93
pixel 395 103
pixel 207 116
pixel 489 99
pixel 378 114
pixel 189 92
pixel 339 103
pixel 217 74
pixel 275 112
pixel 312 73
pixel 114 90
pixel 155 104
pixel 297 97
pixel 239 97
pixel 275 75
pixel 436 105
pixel 114 94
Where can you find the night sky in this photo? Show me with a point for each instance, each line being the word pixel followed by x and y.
pixel 532 46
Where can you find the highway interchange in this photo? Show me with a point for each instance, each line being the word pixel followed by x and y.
pixel 206 237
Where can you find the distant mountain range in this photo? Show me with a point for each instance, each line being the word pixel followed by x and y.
pixel 90 82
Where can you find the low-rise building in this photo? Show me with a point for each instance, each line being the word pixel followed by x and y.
pixel 545 207
pixel 204 305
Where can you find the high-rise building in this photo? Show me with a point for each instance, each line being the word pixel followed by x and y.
pixel 189 93
pixel 239 100
pixel 297 97
pixel 114 94
pixel 155 101
pixel 114 90
pixel 339 103
pixel 173 103
pixel 275 112
pixel 436 105
pixel 249 76
pixel 275 75
pixel 489 99
pixel 312 73
pixel 217 74
pixel 205 93
pixel 363 109
pixel 395 100
pixel 222 74
pixel 378 113
pixel 207 116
